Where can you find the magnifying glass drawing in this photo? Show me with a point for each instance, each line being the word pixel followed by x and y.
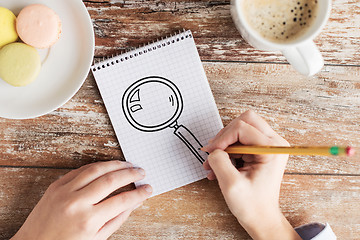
pixel 154 103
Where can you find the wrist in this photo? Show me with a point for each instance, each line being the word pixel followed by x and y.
pixel 270 226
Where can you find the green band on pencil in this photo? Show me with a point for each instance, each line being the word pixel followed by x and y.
pixel 334 150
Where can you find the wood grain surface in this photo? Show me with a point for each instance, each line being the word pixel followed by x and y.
pixel 319 110
pixel 120 25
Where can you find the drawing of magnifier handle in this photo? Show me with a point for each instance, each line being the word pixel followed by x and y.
pixel 191 142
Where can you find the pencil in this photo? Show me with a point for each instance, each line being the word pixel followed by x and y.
pixel 295 150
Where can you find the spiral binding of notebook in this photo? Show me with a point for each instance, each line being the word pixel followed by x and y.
pixel 135 52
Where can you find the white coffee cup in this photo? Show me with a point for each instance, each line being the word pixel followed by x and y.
pixel 302 52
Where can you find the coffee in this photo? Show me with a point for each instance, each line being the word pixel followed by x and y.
pixel 280 21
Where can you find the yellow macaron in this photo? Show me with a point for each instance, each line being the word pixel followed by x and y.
pixel 8 32
pixel 19 64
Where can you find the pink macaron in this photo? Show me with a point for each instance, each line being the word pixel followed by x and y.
pixel 38 25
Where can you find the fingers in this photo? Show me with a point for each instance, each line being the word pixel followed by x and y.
pixel 115 205
pixel 114 224
pixel 224 170
pixel 239 126
pixel 238 131
pixel 95 171
pixel 71 175
pixel 218 134
pixel 206 165
pixel 211 174
pixel 258 122
pixel 103 186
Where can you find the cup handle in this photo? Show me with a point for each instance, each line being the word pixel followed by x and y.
pixel 305 58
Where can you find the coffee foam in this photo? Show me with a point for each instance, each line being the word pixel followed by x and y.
pixel 280 20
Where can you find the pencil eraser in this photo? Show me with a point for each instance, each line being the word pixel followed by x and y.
pixel 350 151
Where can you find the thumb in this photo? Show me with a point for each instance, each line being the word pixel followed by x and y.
pixel 224 170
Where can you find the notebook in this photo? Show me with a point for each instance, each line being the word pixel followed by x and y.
pixel 162 109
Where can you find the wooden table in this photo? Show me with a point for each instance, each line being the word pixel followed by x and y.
pixel 319 110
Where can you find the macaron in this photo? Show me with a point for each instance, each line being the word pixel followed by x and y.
pixel 7 27
pixel 19 64
pixel 38 26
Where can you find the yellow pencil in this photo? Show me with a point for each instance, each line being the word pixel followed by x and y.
pixel 296 150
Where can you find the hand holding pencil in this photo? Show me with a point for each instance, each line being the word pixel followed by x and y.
pixel 251 191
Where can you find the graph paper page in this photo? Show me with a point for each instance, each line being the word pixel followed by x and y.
pixel 162 110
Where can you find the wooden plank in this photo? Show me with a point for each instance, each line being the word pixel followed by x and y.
pixel 196 211
pixel 321 110
pixel 120 25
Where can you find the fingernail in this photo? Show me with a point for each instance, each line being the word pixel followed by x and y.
pixel 148 188
pixel 204 148
pixel 211 176
pixel 141 171
pixel 128 165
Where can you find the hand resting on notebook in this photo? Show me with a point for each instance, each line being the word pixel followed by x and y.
pixel 73 207
pixel 251 191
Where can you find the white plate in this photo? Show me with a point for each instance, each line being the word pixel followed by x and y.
pixel 65 68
